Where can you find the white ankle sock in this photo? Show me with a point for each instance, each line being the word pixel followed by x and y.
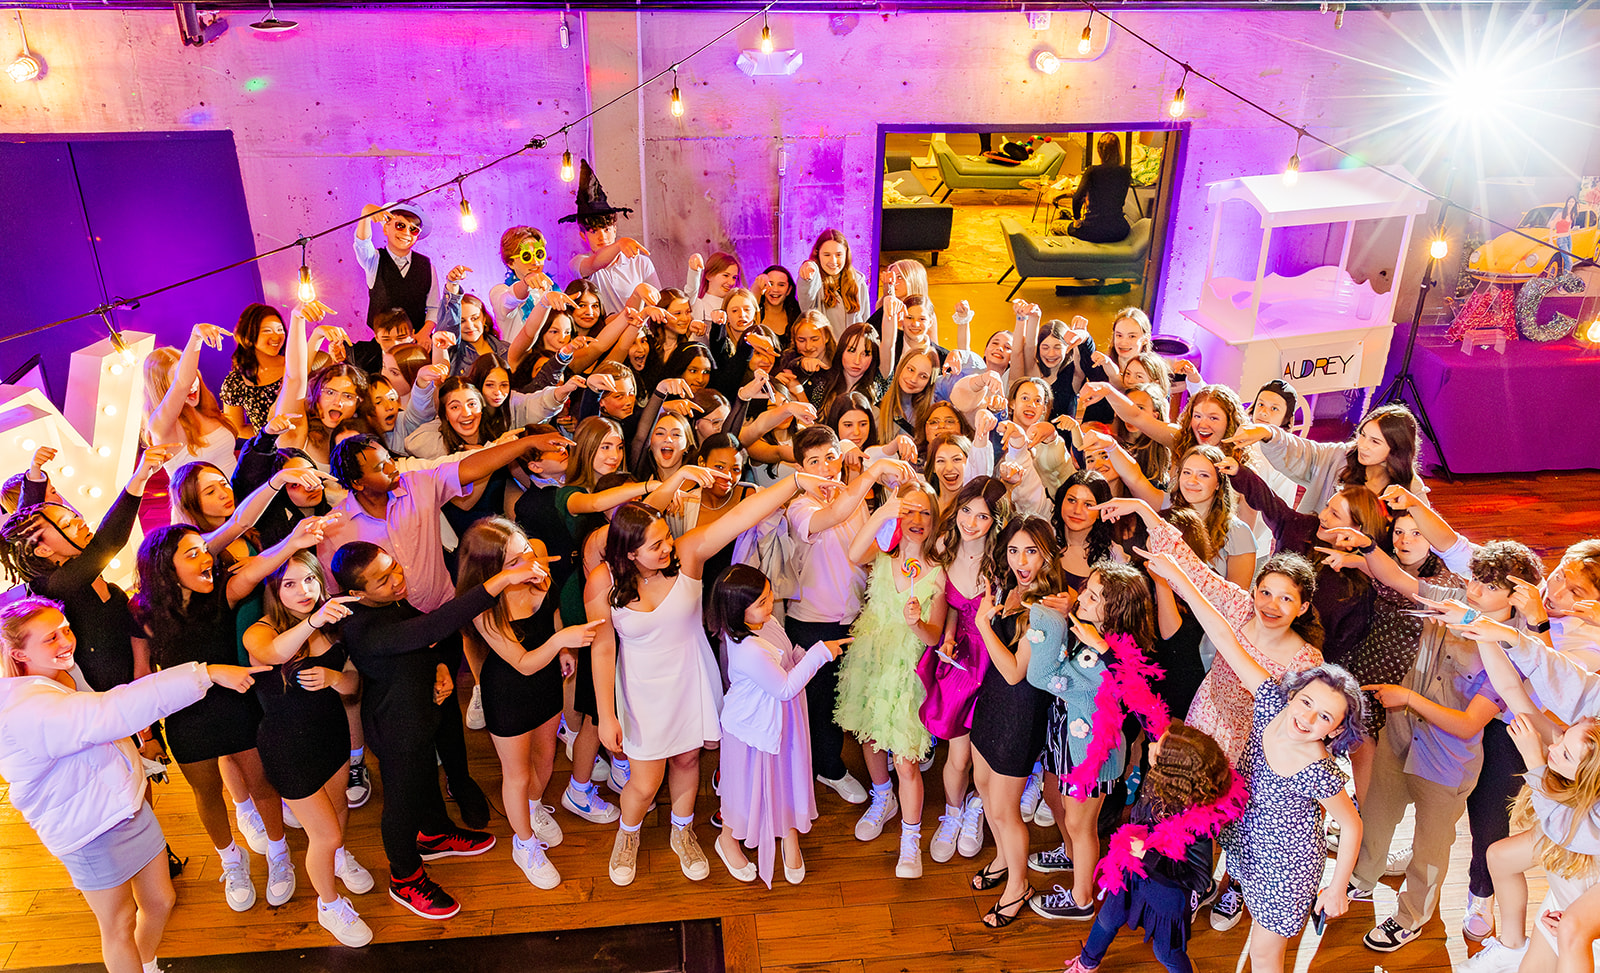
pixel 231 855
pixel 624 826
pixel 906 827
pixel 278 849
pixel 682 822
pixel 152 966
pixel 247 806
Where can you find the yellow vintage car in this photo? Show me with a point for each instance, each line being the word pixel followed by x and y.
pixel 1510 257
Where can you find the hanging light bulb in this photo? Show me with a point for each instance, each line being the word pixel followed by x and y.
pixel 566 35
pixel 25 68
pixel 1086 40
pixel 566 167
pixel 1179 104
pixel 306 292
pixel 1291 172
pixel 469 222
pixel 1439 248
pixel 766 36
pixel 677 96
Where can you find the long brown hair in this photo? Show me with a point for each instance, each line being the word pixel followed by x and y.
pixel 1129 609
pixel 1152 455
pixel 586 441
pixel 245 335
pixel 1049 580
pixel 947 535
pixel 841 290
pixel 1399 429
pixel 277 616
pixel 628 527
pixel 1220 517
pixel 481 556
pixel 1298 572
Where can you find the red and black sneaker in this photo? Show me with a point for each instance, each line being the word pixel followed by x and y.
pixel 423 896
pixel 460 843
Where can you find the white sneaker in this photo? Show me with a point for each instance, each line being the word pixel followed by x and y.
pixel 280 880
pixel 1479 921
pixel 620 772
pixel 357 880
pixel 340 918
pixel 927 764
pixel 1495 957
pixel 530 857
pixel 943 846
pixel 879 813
pixel 255 833
pixel 971 840
pixel 545 827
pixel 691 857
pixel 289 819
pixel 846 787
pixel 566 735
pixel 1032 797
pixel 237 887
pixel 475 709
pixel 602 769
pixel 1398 862
pixel 589 806
pixel 1044 817
pixel 910 863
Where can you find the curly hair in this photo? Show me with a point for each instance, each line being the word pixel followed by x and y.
pixel 20 536
pixel 1350 734
pixel 1497 562
pixel 1129 608
pixel 315 428
pixel 1298 572
pixel 1190 770
pixel 159 606
pixel 1232 409
pixel 344 460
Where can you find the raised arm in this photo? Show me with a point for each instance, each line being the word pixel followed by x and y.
pixel 700 543
pixel 1217 626
pixel 1235 603
pixel 1439 534
pixel 864 546
pixel 273 648
pixel 252 571
pixel 163 423
pixel 529 661
pixel 1165 433
pixel 246 514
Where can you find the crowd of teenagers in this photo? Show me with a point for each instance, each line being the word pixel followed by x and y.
pixel 763 526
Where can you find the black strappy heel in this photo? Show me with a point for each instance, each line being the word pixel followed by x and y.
pixel 174 863
pixel 986 880
pixel 1000 919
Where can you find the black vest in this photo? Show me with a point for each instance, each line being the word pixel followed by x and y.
pixel 409 291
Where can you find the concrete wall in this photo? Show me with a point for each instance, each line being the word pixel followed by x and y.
pixel 360 106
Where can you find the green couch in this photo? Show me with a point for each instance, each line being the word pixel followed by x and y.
pixel 966 172
pixel 1064 256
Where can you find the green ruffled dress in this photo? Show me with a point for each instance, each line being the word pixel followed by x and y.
pixel 879 690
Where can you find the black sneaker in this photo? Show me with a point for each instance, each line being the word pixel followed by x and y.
pixel 1059 904
pixel 1229 907
pixel 1389 936
pixel 423 896
pixel 1054 860
pixel 460 843
pixel 358 788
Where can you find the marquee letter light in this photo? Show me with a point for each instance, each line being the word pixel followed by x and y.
pixel 96 440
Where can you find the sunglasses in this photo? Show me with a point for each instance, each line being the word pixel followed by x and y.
pixel 401 226
pixel 530 254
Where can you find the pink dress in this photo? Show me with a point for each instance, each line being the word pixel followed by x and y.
pixel 1223 708
pixel 953 690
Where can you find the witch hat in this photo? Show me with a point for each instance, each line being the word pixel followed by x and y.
pixel 591 197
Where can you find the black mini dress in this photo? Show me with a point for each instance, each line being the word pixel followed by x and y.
pixel 304 738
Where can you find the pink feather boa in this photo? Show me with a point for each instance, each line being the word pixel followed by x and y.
pixel 1171 837
pixel 1125 689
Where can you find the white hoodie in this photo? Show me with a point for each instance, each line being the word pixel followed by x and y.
pixel 74 774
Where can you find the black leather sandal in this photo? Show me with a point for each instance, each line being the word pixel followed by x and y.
pixel 995 918
pixel 986 880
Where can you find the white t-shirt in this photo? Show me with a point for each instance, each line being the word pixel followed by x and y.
pixel 831 585
pixel 617 281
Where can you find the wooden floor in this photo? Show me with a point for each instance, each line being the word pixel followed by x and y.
pixel 851 915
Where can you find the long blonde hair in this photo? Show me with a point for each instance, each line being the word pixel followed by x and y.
pixel 159 367
pixel 1579 795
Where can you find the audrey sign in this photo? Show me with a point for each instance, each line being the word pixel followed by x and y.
pixel 1326 368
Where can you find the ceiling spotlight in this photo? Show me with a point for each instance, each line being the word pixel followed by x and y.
pixel 272 25
pixel 1047 62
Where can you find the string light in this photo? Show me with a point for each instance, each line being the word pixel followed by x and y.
pixel 766 35
pixel 566 35
pixel 469 222
pixel 677 96
pixel 306 292
pixel 28 66
pixel 1086 41
pixel 1291 172
pixel 1179 103
pixel 567 174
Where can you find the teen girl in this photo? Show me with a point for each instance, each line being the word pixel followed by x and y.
pixel 830 283
pixel 180 408
pixel 251 385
